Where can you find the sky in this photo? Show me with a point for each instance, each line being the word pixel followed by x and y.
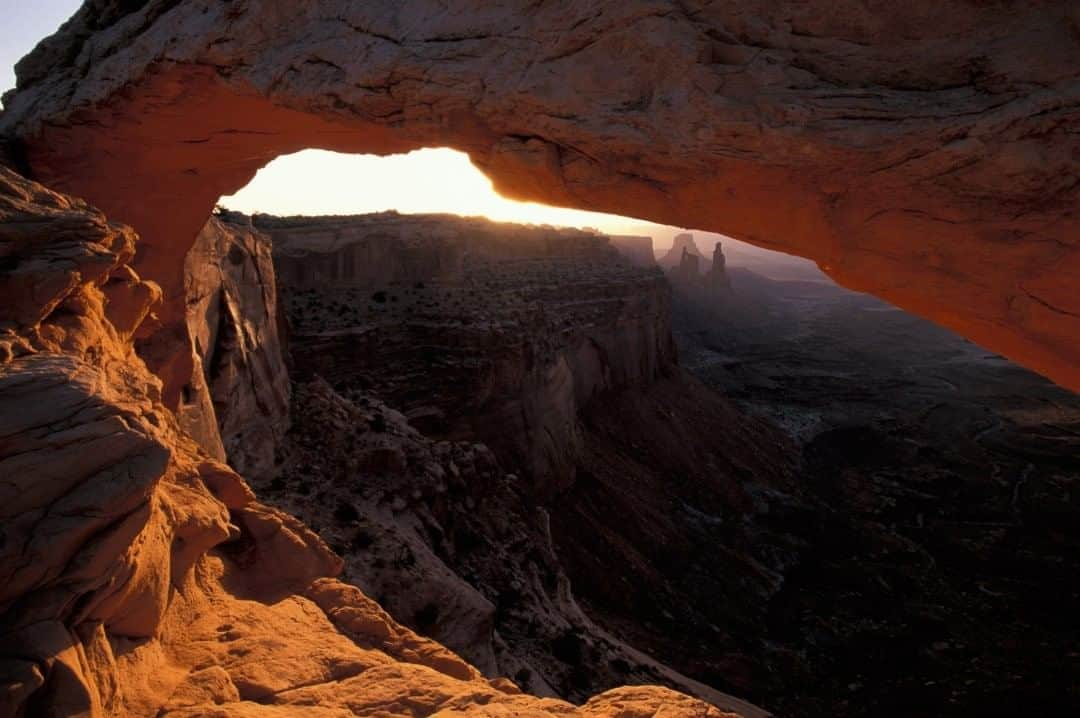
pixel 429 180
pixel 24 24
pixel 320 182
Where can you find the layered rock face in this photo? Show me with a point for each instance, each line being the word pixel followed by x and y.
pixel 451 439
pixel 141 577
pixel 453 545
pixel 233 319
pixel 509 347
pixel 924 151
pixel 369 251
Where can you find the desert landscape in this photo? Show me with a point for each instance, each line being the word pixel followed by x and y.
pixel 819 457
pixel 943 478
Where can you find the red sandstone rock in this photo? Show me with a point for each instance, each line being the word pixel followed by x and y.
pixel 924 151
pixel 139 576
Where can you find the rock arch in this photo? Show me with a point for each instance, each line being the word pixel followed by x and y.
pixel 924 151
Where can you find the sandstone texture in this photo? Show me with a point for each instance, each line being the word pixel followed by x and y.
pixel 233 319
pixel 451 544
pixel 923 151
pixel 141 576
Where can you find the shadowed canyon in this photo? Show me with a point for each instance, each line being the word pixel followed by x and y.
pixel 421 464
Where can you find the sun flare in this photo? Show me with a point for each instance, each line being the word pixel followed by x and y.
pixel 428 180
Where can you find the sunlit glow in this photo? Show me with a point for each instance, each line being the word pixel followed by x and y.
pixel 315 182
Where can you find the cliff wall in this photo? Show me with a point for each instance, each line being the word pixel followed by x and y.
pixel 233 319
pixel 531 325
pixel 438 417
pixel 141 576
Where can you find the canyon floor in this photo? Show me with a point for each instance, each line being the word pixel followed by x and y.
pixel 940 576
pixel 823 504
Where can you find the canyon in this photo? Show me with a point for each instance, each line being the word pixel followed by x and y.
pixel 489 369
pixel 505 334
pixel 419 465
pixel 490 443
pixel 862 524
pixel 142 576
pixel 942 539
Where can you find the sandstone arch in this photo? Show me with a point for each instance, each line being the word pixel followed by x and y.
pixel 924 151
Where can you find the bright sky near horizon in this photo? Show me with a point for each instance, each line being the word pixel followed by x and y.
pixel 26 23
pixel 429 180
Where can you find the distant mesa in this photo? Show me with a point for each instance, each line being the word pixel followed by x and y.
pixel 689 269
pixel 376 250
pixel 687 277
pixel 673 258
pixel 638 250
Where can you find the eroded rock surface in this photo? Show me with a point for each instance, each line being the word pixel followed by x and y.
pixel 141 577
pixel 233 318
pixel 453 545
pixel 924 151
pixel 442 443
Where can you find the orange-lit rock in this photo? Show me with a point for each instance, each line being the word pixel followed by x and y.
pixel 140 577
pixel 923 151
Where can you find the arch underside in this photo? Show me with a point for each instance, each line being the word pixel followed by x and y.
pixel 923 153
